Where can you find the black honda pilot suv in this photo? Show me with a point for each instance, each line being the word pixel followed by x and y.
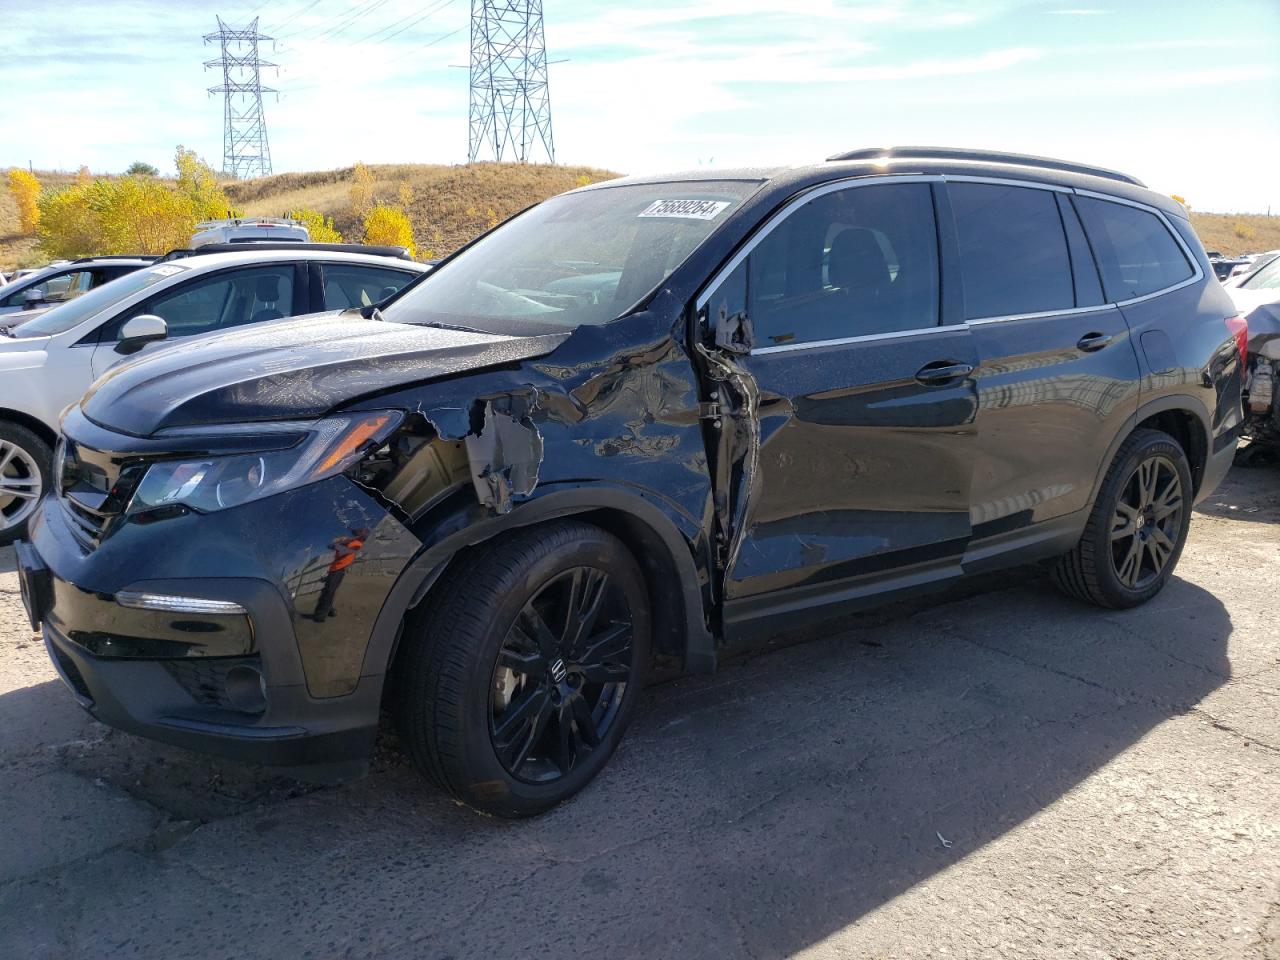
pixel 641 423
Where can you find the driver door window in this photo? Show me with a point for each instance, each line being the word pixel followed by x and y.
pixel 849 263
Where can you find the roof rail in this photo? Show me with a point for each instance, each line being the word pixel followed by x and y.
pixel 400 253
pixel 151 257
pixel 983 156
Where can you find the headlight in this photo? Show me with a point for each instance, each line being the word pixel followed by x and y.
pixel 217 482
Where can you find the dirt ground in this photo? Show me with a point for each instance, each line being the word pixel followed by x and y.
pixel 1002 773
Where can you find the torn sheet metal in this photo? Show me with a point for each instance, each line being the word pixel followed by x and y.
pixel 506 451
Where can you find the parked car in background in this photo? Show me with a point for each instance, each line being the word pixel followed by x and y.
pixel 248 230
pixel 1222 266
pixel 1240 274
pixel 1257 298
pixel 65 281
pixel 653 418
pixel 49 361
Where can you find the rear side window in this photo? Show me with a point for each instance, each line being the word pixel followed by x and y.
pixel 357 285
pixel 1136 253
pixel 1013 252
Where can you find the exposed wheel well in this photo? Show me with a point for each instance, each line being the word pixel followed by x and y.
pixel 668 601
pixel 1184 427
pixel 38 427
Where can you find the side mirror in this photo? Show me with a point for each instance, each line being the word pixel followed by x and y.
pixel 138 331
pixel 33 296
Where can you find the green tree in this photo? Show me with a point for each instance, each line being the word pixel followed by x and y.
pixel 140 169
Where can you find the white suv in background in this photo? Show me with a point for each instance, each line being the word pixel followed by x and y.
pixel 48 362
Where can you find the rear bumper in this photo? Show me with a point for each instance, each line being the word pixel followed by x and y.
pixel 1216 466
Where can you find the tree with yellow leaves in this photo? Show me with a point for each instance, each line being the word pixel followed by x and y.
pixel 131 214
pixel 319 227
pixel 388 225
pixel 360 195
pixel 25 188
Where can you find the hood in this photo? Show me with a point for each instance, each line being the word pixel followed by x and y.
pixel 297 369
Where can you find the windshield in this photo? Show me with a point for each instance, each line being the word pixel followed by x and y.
pixel 578 259
pixel 74 312
pixel 1267 278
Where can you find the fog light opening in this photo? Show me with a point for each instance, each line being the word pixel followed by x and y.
pixel 246 689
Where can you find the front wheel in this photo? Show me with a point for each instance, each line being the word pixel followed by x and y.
pixel 1137 527
pixel 517 682
pixel 25 467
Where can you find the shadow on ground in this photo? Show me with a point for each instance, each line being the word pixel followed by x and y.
pixel 750 813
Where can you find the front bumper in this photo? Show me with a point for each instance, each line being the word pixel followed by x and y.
pixel 175 677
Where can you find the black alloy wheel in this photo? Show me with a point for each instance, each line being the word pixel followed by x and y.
pixel 515 682
pixel 1136 528
pixel 560 676
pixel 1145 526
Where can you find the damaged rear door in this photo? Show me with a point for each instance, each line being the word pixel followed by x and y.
pixel 843 408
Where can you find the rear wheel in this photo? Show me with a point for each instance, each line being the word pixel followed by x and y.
pixel 25 465
pixel 518 681
pixel 1137 528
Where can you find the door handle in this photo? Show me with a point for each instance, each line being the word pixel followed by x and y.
pixel 1093 341
pixel 941 371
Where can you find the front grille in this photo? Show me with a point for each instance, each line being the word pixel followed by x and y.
pixel 86 525
pixel 93 489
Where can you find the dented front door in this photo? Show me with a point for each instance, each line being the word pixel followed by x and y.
pixel 860 403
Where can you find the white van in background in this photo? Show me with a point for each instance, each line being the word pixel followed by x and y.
pixel 237 230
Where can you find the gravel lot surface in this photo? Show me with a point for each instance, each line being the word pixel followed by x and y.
pixel 1000 773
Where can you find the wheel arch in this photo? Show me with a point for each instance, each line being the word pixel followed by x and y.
pixel 34 424
pixel 1183 418
pixel 664 552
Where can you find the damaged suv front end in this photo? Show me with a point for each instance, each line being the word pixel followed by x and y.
pixel 241 525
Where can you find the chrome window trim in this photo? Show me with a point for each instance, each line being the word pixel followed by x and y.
pixel 1073 311
pixel 865 338
pixel 1004 182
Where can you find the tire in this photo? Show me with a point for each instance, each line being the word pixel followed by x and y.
pixel 26 465
pixel 1137 527
pixel 499 712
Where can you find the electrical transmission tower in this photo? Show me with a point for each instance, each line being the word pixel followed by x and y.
pixel 244 139
pixel 510 101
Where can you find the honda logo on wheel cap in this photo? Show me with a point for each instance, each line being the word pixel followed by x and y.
pixel 558 671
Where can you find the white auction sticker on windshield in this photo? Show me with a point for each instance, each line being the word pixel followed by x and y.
pixel 685 209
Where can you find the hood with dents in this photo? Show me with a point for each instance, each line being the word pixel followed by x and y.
pixel 297 369
pixel 1261 308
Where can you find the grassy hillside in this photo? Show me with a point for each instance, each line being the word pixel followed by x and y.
pixel 1233 233
pixel 451 204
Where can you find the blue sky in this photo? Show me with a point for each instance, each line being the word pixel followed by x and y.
pixel 1182 93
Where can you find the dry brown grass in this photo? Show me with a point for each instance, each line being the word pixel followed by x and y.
pixel 451 204
pixel 1235 233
